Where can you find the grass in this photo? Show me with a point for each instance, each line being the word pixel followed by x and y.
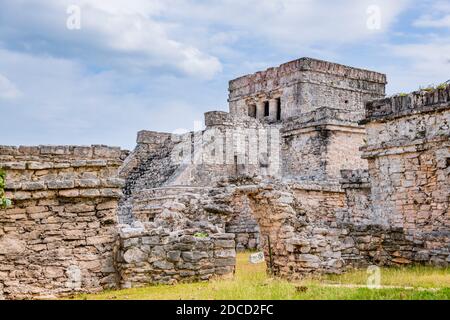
pixel 433 87
pixel 251 282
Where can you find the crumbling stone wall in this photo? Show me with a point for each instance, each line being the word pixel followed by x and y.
pixel 398 211
pixel 408 151
pixel 367 240
pixel 245 227
pixel 160 257
pixel 58 236
pixel 358 211
pixel 180 237
pixel 297 238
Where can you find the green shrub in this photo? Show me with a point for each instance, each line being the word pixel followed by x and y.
pixel 201 235
pixel 4 202
pixel 442 86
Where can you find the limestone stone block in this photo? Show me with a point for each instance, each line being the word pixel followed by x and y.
pixel 174 256
pixel 224 262
pixel 224 243
pixel 134 255
pixel 12 245
pixel 61 184
pixel 163 265
pixel 39 165
pixel 225 253
pixel 33 186
pixel 71 193
pixel 194 256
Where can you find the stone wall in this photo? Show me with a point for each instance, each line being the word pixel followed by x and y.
pixel 305 85
pixel 58 236
pixel 358 211
pixel 178 235
pixel 161 257
pixel 315 152
pixel 297 224
pixel 245 227
pixel 408 151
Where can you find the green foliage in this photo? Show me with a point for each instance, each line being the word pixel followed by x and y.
pixel 432 87
pixel 428 89
pixel 402 94
pixel 4 202
pixel 201 235
pixel 442 86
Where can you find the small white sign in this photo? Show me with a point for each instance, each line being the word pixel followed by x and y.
pixel 256 258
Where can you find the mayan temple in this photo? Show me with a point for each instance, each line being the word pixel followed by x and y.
pixel 312 164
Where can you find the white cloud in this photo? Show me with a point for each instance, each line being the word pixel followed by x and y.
pixel 437 15
pixel 115 33
pixel 8 90
pixel 62 102
pixel 188 36
pixel 430 21
pixel 289 23
pixel 415 65
pixel 129 31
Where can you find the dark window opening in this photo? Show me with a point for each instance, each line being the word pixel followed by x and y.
pixel 266 109
pixel 278 109
pixel 252 111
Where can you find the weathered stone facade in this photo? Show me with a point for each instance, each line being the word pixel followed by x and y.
pixel 307 166
pixel 408 150
pixel 58 236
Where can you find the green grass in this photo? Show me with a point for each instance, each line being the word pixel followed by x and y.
pixel 252 282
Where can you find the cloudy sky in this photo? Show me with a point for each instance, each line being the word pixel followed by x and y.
pixel 160 64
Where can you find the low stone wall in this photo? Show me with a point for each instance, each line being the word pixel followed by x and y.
pixel 178 235
pixel 161 257
pixel 58 236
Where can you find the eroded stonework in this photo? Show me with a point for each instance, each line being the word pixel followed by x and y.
pixel 311 165
pixel 59 235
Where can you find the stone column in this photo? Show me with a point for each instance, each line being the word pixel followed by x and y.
pixel 260 110
pixel 273 110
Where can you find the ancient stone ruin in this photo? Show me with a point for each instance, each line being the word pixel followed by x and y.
pixel 312 164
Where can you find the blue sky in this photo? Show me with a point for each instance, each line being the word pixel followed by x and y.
pixel 160 64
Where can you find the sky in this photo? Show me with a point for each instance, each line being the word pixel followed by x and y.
pixel 96 72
